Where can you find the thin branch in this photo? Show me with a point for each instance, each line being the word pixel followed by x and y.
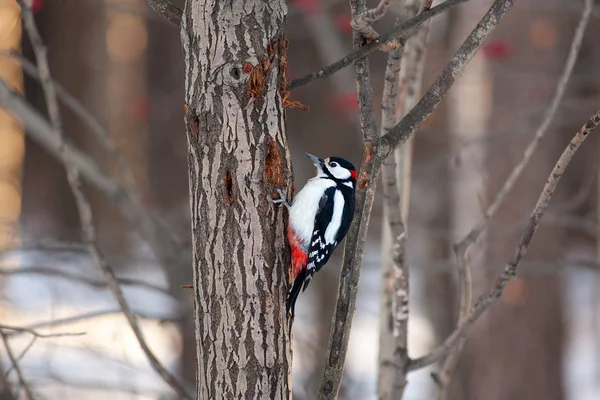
pixel 432 98
pixel 362 22
pixel 35 333
pixel 42 133
pixel 168 10
pixel 401 87
pixel 35 336
pixel 542 129
pixel 87 118
pixel 15 365
pixel 510 270
pixel 5 386
pixel 38 129
pixel 403 30
pixel 92 315
pixel 55 272
pixel 355 240
pixel 461 248
pixel 83 205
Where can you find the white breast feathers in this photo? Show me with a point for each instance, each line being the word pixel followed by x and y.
pixel 305 207
pixel 336 219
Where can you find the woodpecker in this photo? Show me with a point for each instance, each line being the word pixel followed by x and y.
pixel 319 218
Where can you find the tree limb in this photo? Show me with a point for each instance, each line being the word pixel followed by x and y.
pixel 36 333
pixel 461 248
pixel 56 272
pixel 16 367
pixel 362 22
pixel 401 88
pixel 88 119
pixel 403 30
pixel 432 98
pixel 355 240
pixel 168 10
pixel 510 269
pixel 95 314
pixel 83 205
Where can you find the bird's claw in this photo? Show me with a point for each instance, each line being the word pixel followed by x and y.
pixel 282 200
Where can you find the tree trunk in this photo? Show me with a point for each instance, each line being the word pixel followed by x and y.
pixel 235 62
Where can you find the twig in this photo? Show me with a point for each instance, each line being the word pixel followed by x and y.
pixel 374 152
pixel 16 367
pixel 45 245
pixel 88 119
pixel 355 240
pixel 101 385
pixel 401 31
pixel 5 389
pixel 35 333
pixel 162 243
pixel 55 272
pixel 461 248
pixel 510 270
pixel 41 132
pixel 401 86
pixel 92 315
pixel 168 10
pixel 362 22
pixel 541 131
pixel 83 205
pixel 432 98
pixel 331 47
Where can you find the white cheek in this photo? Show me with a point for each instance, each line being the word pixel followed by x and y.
pixel 340 173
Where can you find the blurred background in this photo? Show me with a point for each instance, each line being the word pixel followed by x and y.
pixel 123 63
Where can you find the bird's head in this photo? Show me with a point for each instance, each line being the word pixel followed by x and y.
pixel 335 168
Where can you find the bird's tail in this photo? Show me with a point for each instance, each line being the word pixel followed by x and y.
pixel 290 303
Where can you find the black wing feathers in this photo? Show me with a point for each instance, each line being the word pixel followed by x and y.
pixel 319 250
pixel 347 214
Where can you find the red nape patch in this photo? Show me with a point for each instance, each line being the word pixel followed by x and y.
pixel 353 173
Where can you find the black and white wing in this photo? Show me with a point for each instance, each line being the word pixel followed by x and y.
pixel 327 229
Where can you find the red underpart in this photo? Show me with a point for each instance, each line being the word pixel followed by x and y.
pixel 299 256
pixel 353 173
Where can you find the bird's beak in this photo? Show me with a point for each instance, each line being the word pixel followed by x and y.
pixel 316 160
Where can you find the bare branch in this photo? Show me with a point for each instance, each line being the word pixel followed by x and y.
pixel 83 205
pixel 168 10
pixel 16 367
pixel 541 131
pixel 95 314
pixel 362 22
pixel 403 30
pixel 401 87
pixel 355 240
pixel 510 270
pixel 88 119
pixel 432 98
pixel 5 389
pixel 55 272
pixel 161 241
pixel 461 248
pixel 35 333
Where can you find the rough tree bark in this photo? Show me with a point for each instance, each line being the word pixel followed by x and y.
pixel 234 54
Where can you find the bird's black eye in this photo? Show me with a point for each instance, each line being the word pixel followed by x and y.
pixel 333 164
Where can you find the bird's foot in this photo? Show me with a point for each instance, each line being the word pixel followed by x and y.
pixel 282 200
